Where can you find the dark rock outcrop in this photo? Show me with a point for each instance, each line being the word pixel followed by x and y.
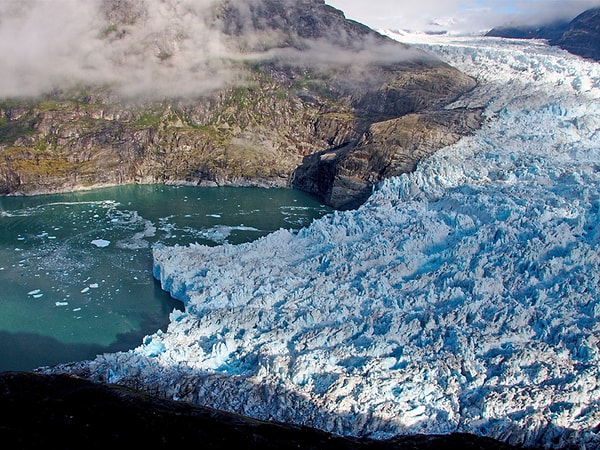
pixel 61 411
pixel 304 81
pixel 345 176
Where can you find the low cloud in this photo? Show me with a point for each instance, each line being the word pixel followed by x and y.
pixel 149 47
pixel 140 47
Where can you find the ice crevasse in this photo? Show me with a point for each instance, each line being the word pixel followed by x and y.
pixel 461 297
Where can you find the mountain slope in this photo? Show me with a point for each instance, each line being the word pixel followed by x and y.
pixel 583 35
pixel 550 32
pixel 225 92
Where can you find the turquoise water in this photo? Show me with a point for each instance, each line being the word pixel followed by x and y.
pixel 76 269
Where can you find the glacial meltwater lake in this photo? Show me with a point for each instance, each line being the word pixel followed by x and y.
pixel 76 269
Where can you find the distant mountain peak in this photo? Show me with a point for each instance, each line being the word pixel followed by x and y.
pixel 580 36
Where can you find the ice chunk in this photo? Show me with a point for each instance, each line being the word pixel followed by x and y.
pixel 101 243
pixel 153 346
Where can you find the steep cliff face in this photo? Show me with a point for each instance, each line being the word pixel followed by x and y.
pixel 243 135
pixel 278 88
pixel 345 176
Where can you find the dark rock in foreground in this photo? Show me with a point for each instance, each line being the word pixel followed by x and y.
pixel 61 411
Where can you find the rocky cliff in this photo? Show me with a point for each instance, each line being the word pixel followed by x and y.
pixel 262 92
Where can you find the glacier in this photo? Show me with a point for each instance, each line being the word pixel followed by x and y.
pixel 462 297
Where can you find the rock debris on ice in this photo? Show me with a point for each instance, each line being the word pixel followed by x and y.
pixel 462 297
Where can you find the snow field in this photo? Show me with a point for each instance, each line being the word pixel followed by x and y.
pixel 461 297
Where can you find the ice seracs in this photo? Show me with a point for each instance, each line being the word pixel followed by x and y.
pixel 462 297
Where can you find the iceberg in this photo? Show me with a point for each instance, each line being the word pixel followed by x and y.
pixel 100 243
pixel 462 297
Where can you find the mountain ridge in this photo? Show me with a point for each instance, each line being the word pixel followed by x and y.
pixel 580 36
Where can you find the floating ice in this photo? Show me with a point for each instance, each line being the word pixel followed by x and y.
pixel 137 240
pixel 101 243
pixel 34 292
pixel 61 303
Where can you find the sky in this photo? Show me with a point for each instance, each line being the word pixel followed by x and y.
pixel 458 16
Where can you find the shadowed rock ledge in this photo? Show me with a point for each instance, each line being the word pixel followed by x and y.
pixel 67 412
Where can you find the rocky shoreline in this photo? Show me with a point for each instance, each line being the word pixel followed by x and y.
pixel 342 175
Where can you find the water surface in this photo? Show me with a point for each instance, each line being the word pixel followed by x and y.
pixel 76 269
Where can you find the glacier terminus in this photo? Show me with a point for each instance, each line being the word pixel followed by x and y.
pixel 462 297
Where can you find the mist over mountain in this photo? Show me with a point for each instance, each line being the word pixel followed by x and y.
pixel 174 47
pixel 210 92
pixel 583 35
pixel 550 31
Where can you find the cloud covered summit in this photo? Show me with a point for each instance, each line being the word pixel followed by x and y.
pixel 172 47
